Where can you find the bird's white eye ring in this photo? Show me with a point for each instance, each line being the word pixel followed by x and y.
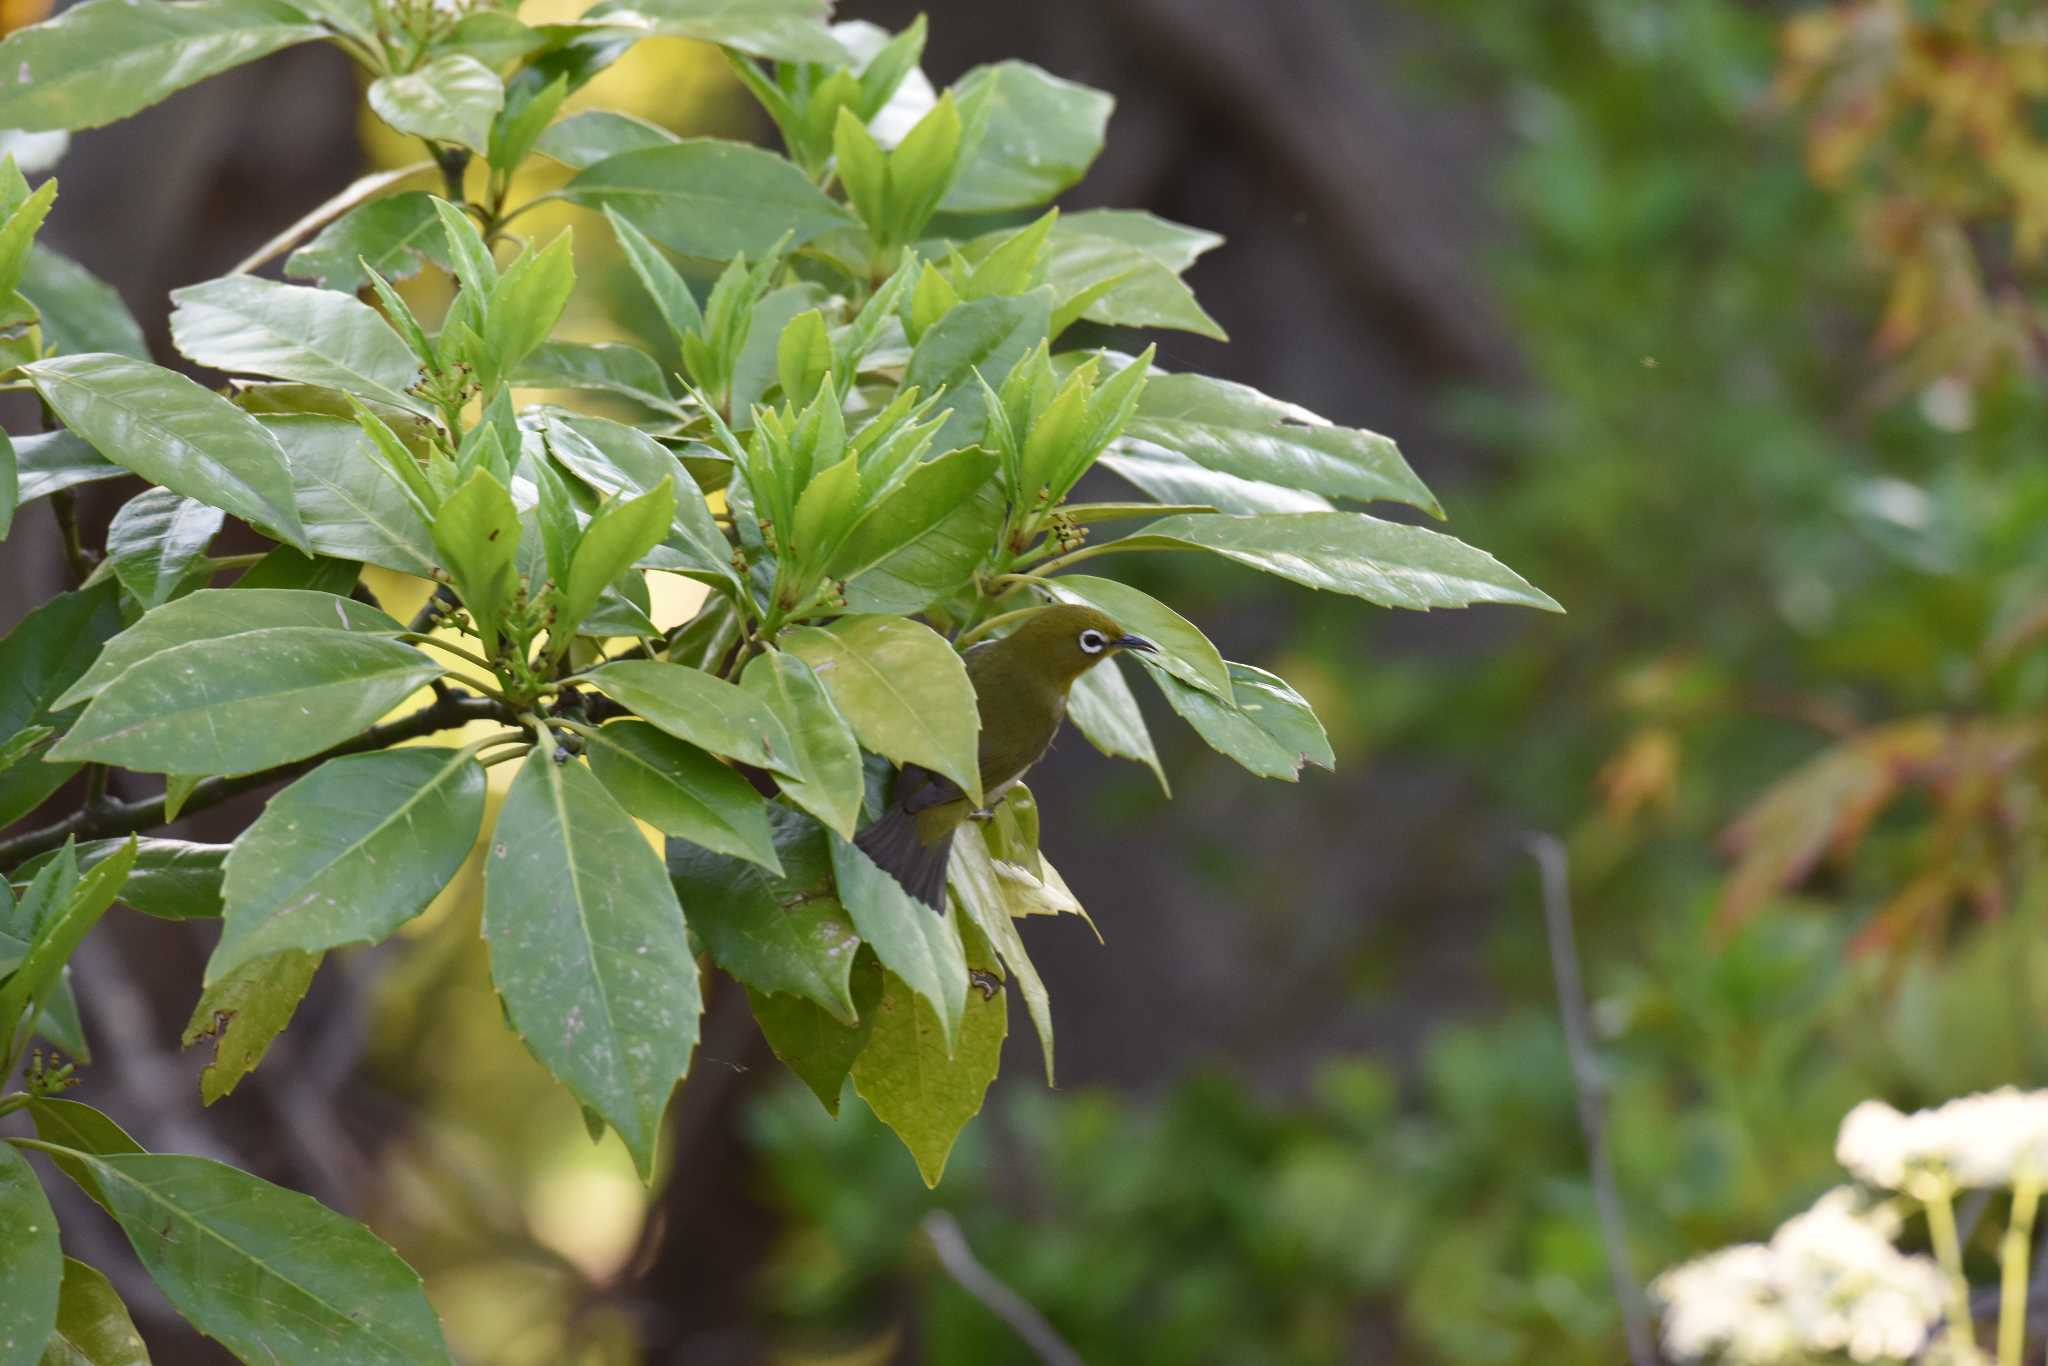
pixel 1093 641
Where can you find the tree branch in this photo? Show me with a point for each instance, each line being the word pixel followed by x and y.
pixel 1006 1304
pixel 1591 1087
pixel 127 818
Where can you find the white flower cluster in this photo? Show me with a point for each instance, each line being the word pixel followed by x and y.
pixel 1829 1284
pixel 1974 1141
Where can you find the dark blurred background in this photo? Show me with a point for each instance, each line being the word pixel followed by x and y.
pixel 1313 1105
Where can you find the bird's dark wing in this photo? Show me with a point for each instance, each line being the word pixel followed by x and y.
pixel 920 789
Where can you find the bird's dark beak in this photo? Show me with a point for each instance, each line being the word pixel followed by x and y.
pixel 1134 643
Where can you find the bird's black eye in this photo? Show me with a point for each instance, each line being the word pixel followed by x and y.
pixel 1092 641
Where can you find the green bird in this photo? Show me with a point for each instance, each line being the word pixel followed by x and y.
pixel 1020 684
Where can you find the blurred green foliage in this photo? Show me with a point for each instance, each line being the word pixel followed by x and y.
pixel 1768 561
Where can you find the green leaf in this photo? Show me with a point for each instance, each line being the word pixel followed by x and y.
pixel 477 533
pixel 154 540
pixel 709 198
pixel 1238 430
pixel 1268 727
pixel 174 433
pixel 529 108
pixel 286 568
pixel 706 711
pixel 598 367
pixel 170 879
pixel 106 59
pixel 1041 136
pixel 93 1327
pixel 59 930
pixel 395 235
pixel 1348 552
pixel 316 336
pixel 983 336
pixel 1108 281
pixel 777 931
pixel 525 305
pixel 244 1011
pixel 241 703
pixel 1174 245
pixel 622 532
pixel 902 689
pixel 39 660
pixel 22 221
pixel 450 98
pixel 921 949
pixel 74 1126
pixel 23 743
pixel 1173 478
pixel 823 747
pixel 682 791
pixel 1103 708
pixel 58 460
pixel 589 136
pixel 31 1263
pixel 348 853
pixel 938 564
pixel 918 1087
pixel 1184 651
pixel 810 1042
pixel 925 499
pixel 354 507
pixel 615 459
pixel 672 297
pixel 213 613
pixel 81 312
pixel 978 887
pixel 588 948
pixel 271 1274
pixel 791 30
pixel 10 485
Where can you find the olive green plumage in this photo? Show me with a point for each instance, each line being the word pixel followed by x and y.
pixel 1020 684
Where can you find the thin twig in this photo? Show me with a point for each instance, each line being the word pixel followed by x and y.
pixel 125 818
pixel 1591 1086
pixel 1006 1304
pixel 65 504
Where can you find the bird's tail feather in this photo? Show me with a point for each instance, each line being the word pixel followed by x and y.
pixel 895 846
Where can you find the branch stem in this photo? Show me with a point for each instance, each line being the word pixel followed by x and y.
pixel 959 1261
pixel 2019 1243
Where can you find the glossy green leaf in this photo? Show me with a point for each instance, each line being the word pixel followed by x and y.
pixel 613 458
pixel 1238 430
pixel 74 907
pixel 23 743
pixel 93 1327
pixel 106 59
pixel 588 949
pixel 709 198
pixel 154 540
pixel 792 30
pixel 286 568
pixel 525 305
pixel 597 367
pixel 706 711
pixel 170 879
pixel 1042 134
pixel 236 704
pixel 926 498
pixel 294 332
pixel 828 782
pixel 1268 727
pixel 680 790
pixel 920 948
pixel 938 564
pixel 81 312
pixel 902 689
pixel 271 1274
pixel 354 507
pixel 985 337
pixel 31 1263
pixel 783 931
pixel 174 433
pixel 1173 478
pixel 1108 281
pixel 621 533
pixel 915 1084
pixel 1184 651
pixel 1174 245
pixel 348 853
pixel 591 135
pixel 1103 708
pixel 813 1044
pixel 1348 552
pixel 39 659
pixel 671 295
pixel 449 98
pixel 78 1127
pixel 213 613
pixel 396 235
pixel 978 889
pixel 50 461
pixel 243 1012
pixel 529 108
pixel 477 533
